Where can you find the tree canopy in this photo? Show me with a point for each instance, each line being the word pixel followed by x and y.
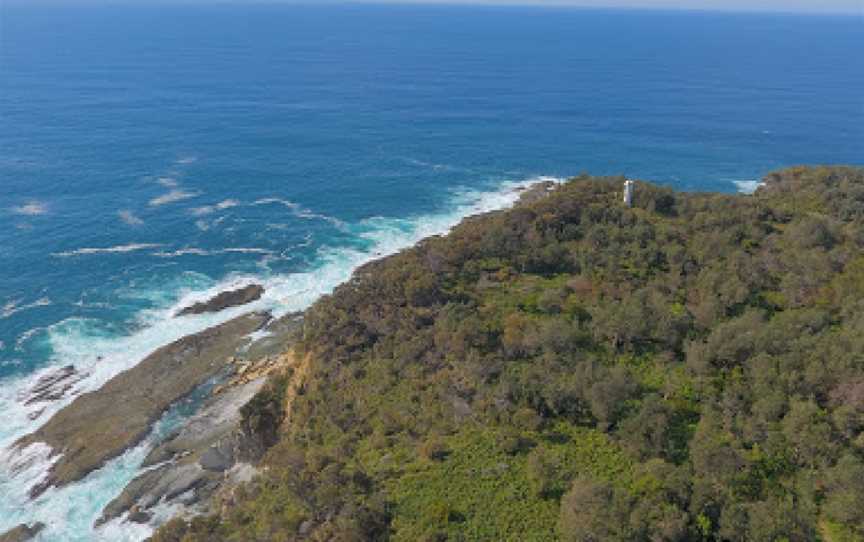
pixel 691 368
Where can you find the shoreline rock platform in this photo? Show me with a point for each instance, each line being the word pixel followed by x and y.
pixel 213 451
pixel 224 300
pixel 190 465
pixel 100 425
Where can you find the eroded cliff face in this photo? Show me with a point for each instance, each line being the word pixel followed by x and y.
pixel 199 466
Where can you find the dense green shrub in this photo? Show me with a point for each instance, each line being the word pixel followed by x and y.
pixel 691 368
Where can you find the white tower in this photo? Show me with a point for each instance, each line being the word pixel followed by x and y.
pixel 628 193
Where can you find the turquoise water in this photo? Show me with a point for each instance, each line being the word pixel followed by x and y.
pixel 154 156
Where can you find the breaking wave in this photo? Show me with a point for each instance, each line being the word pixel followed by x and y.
pixel 747 187
pixel 120 249
pixel 299 211
pixel 31 208
pixel 14 306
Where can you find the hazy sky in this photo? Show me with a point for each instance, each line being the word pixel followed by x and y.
pixel 809 6
pixel 830 6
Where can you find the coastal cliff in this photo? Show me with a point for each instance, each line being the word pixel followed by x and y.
pixel 688 368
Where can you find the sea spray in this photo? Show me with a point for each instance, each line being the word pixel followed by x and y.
pixel 70 512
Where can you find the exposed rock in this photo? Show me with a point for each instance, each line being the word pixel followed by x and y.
pixel 201 464
pixel 216 419
pixel 22 533
pixel 138 516
pixel 168 481
pixel 196 460
pixel 536 191
pixel 53 385
pixel 226 496
pixel 100 425
pixel 241 473
pixel 216 459
pixel 305 527
pixel 267 354
pixel 225 300
pixel 461 409
pixel 281 333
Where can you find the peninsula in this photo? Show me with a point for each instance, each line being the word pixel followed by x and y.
pixel 686 367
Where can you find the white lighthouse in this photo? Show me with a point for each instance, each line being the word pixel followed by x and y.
pixel 628 193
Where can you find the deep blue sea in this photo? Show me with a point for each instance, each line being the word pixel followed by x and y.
pixel 151 156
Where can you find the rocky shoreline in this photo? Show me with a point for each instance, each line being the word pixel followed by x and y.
pixel 190 465
pixel 196 468
pixel 212 451
pixel 224 300
pixel 100 425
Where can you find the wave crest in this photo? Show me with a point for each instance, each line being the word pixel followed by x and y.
pixel 119 249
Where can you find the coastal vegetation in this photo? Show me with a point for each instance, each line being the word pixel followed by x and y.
pixel 691 368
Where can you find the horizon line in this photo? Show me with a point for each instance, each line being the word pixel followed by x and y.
pixel 523 4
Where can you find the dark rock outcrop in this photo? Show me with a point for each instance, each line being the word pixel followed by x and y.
pixel 281 332
pixel 190 465
pixel 137 516
pixel 52 386
pixel 22 533
pixel 101 425
pixel 225 300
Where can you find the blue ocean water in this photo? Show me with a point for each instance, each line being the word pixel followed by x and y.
pixel 150 156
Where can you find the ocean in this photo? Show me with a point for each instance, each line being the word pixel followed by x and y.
pixel 154 156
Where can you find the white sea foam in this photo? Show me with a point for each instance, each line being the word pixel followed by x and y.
pixel 183 252
pixel 246 250
pixel 172 196
pixel 436 167
pixel 10 308
pixel 31 208
pixel 119 249
pixel 129 218
pixel 167 182
pixel 70 512
pixel 747 187
pixel 202 211
pixel 26 336
pixel 192 251
pixel 210 209
pixel 91 347
pixel 14 306
pixel 299 211
pixel 227 204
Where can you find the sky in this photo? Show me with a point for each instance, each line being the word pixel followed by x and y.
pixel 807 6
pixel 855 7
